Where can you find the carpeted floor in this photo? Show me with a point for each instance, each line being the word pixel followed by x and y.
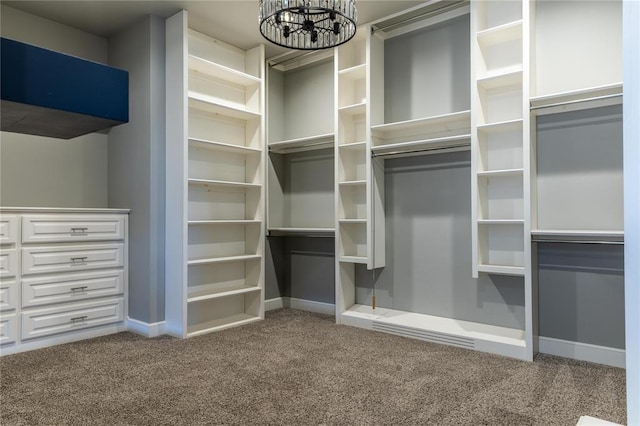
pixel 297 368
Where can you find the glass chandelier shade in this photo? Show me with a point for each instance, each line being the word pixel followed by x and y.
pixel 308 24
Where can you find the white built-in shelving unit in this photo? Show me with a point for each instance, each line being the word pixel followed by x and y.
pixel 576 103
pixel 500 138
pixel 300 145
pixel 215 187
pixel 443 123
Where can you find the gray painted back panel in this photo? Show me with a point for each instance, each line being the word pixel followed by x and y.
pixel 579 157
pixel 427 72
pixel 581 293
pixel 301 267
pixel 428 237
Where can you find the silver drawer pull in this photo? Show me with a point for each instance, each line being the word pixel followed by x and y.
pixel 82 289
pixel 79 231
pixel 82 318
pixel 78 261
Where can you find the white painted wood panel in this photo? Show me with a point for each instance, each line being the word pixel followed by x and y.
pixel 71 287
pixel 67 228
pixel 8 295
pixel 8 229
pixel 70 317
pixel 41 260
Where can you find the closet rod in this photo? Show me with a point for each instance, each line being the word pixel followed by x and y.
pixel 422 151
pixel 577 101
pixel 421 16
pixel 282 60
pixel 556 240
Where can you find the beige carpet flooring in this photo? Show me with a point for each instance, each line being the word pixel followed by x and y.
pixel 297 368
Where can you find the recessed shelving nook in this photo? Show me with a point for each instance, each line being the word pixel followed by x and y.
pixel 420 103
pixel 215 189
pixel 576 107
pixel 301 140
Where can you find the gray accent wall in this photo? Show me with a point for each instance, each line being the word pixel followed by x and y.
pixel 137 163
pixel 428 247
pixel 301 102
pixel 579 170
pixel 581 293
pixel 36 171
pixel 423 70
pixel 301 267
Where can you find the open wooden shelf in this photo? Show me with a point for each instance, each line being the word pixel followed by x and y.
pixel 222 146
pixel 221 183
pixel 355 109
pixel 213 105
pixel 500 34
pixel 354 73
pixel 297 144
pixel 463 140
pixel 452 122
pixel 353 259
pixel 501 269
pixel 285 231
pixel 501 173
pixel 222 72
pixel 221 324
pixel 592 97
pixel 224 222
pixel 223 259
pixel 203 292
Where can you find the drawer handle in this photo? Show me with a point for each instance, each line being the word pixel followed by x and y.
pixel 82 318
pixel 78 261
pixel 81 289
pixel 79 231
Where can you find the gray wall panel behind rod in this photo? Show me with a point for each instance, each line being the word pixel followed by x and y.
pixel 581 293
pixel 301 267
pixel 428 237
pixel 423 70
pixel 579 170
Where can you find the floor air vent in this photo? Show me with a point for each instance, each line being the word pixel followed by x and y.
pixel 426 335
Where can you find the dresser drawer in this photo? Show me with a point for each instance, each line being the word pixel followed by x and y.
pixel 8 328
pixel 40 260
pixel 8 263
pixel 8 229
pixel 8 295
pixel 71 317
pixel 38 291
pixel 42 228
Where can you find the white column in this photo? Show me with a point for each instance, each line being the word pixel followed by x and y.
pixel 631 78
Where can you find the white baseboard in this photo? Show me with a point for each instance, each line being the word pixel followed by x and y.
pixel 310 306
pixel 148 330
pixel 300 304
pixel 592 421
pixel 582 351
pixel 271 304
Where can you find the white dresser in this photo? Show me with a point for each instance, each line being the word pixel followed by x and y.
pixel 63 275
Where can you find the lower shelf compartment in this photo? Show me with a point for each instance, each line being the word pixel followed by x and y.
pixel 353 259
pixel 501 269
pixel 481 337
pixel 221 324
pixel 209 315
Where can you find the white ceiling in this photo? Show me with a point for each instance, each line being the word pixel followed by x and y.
pixel 235 22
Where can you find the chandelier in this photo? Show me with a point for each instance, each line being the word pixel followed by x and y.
pixel 308 24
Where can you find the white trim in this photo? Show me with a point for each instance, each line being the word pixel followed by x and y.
pixel 300 304
pixel 582 351
pixel 271 304
pixel 145 329
pixel 592 421
pixel 309 305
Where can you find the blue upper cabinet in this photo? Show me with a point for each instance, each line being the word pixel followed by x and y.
pixel 47 93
